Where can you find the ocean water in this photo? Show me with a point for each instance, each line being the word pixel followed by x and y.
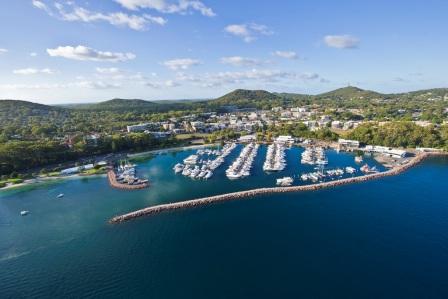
pixel 384 238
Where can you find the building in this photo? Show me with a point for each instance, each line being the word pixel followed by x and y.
pixel 137 128
pixel 387 151
pixel 348 143
pixel 247 138
pixel 285 139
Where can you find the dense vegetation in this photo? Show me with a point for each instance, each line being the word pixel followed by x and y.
pixel 401 134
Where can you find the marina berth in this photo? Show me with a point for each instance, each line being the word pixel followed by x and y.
pixel 314 156
pixel 241 167
pixel 275 157
pixel 262 191
pixel 125 178
pixel 202 164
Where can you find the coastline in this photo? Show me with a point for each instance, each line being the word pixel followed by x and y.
pixel 170 149
pixel 263 191
pixel 38 181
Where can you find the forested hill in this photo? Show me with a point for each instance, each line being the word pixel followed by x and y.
pixel 350 93
pixel 14 112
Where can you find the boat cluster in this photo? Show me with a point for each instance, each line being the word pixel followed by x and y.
pixel 275 157
pixel 126 175
pixel 241 166
pixel 367 169
pixel 314 156
pixel 285 181
pixel 202 164
pixel 318 176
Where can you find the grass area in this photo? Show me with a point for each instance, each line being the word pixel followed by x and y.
pixel 94 171
pixel 10 181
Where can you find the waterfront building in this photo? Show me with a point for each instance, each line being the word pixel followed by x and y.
pixel 348 143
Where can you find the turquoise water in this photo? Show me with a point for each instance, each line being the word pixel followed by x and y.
pixel 386 238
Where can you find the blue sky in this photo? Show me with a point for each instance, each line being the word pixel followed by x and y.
pixel 79 51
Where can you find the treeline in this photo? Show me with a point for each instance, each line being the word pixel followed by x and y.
pixel 401 134
pixel 17 156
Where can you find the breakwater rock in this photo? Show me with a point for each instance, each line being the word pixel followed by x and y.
pixel 263 191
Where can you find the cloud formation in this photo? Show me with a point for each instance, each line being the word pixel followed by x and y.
pixel 166 6
pixel 341 41
pixel 33 71
pixel 254 75
pixel 3 51
pixel 73 13
pixel 241 61
pixel 86 53
pixel 181 63
pixel 248 32
pixel 286 54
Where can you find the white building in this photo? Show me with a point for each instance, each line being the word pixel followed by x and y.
pixel 285 139
pixel 348 143
pixel 137 128
pixel 247 138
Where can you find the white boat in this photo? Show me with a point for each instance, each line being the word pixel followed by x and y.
pixel 178 168
pixel 350 170
pixel 60 195
pixel 24 213
pixel 285 181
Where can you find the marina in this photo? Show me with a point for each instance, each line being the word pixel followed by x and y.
pixel 63 231
pixel 264 191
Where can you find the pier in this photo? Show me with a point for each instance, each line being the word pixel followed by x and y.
pixel 112 177
pixel 264 191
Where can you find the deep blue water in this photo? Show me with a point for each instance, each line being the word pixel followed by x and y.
pixel 385 238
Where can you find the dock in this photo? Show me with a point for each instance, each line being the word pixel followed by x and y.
pixel 265 191
pixel 112 177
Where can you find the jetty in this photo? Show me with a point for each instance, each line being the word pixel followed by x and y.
pixel 112 177
pixel 264 191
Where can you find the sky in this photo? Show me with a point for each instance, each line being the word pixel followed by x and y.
pixel 77 51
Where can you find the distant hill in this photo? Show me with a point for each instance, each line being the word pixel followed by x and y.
pixel 119 104
pixel 244 98
pixel 20 112
pixel 349 93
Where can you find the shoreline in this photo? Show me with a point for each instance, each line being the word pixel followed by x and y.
pixel 263 191
pixel 38 181
pixel 170 149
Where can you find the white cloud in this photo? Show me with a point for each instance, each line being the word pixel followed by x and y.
pixel 181 63
pixel 108 71
pixel 33 54
pixel 41 5
pixel 248 32
pixel 96 85
pixel 166 6
pixel 286 54
pixel 341 41
pixel 254 75
pixel 240 61
pixel 33 71
pixel 73 13
pixel 2 51
pixel 86 53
